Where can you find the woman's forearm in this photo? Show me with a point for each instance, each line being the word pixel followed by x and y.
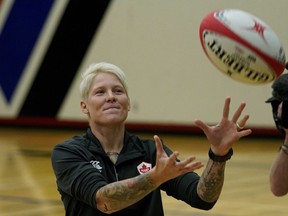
pixel 211 181
pixel 119 195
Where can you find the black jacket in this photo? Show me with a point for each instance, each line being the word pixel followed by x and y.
pixel 82 167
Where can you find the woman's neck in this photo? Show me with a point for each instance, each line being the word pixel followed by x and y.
pixel 111 139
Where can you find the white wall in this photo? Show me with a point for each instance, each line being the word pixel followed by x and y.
pixel 156 43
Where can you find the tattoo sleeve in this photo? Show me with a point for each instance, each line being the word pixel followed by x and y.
pixel 211 181
pixel 118 195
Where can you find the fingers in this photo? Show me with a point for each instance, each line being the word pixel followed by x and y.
pixel 161 152
pixel 243 121
pixel 171 162
pixel 204 127
pixel 245 132
pixel 238 112
pixel 189 164
pixel 181 167
pixel 240 124
pixel 226 107
pixel 158 143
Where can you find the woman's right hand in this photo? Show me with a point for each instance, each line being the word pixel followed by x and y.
pixel 167 167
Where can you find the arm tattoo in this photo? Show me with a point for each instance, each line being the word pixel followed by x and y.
pixel 105 208
pixel 121 194
pixel 211 181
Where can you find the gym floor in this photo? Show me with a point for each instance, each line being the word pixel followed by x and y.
pixel 27 182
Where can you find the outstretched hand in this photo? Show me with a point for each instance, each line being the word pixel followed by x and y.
pixel 167 167
pixel 227 132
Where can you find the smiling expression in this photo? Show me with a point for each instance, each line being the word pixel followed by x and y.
pixel 107 102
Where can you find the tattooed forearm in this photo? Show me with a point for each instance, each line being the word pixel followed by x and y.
pixel 211 181
pixel 118 195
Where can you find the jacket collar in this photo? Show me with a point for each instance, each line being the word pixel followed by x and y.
pixel 95 143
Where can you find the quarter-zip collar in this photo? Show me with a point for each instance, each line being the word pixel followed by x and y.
pixel 129 151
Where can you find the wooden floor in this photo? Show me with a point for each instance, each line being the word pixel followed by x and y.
pixel 27 183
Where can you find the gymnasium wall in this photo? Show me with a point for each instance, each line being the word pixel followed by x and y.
pixel 45 45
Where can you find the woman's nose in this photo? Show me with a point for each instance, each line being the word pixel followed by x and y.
pixel 110 96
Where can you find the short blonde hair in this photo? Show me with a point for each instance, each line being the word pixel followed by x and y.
pixel 96 68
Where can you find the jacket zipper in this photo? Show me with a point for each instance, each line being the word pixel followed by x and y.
pixel 116 174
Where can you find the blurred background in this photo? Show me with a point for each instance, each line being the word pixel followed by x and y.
pixel 44 47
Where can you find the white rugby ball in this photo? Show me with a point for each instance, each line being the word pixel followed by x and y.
pixel 242 46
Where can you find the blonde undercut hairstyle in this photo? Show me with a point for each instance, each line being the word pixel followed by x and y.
pixel 96 68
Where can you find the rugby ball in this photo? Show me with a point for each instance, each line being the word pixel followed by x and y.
pixel 242 46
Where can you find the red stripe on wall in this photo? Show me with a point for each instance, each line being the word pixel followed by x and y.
pixel 133 127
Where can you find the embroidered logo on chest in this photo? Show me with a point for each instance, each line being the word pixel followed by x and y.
pixel 144 167
pixel 96 164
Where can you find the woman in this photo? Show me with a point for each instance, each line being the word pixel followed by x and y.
pixel 110 171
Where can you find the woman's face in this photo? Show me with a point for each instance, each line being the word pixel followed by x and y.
pixel 107 102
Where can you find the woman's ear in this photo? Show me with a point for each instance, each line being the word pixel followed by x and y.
pixel 84 107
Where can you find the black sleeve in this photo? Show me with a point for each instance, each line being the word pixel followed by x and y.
pixel 184 188
pixel 76 176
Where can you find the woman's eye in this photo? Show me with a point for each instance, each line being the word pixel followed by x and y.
pixel 119 91
pixel 99 92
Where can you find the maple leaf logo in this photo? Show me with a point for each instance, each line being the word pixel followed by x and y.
pixel 144 167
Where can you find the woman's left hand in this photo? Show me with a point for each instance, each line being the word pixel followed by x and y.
pixel 227 132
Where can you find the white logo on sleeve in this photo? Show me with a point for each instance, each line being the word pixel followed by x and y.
pixel 144 167
pixel 96 164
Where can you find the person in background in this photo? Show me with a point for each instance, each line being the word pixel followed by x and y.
pixel 279 103
pixel 108 170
